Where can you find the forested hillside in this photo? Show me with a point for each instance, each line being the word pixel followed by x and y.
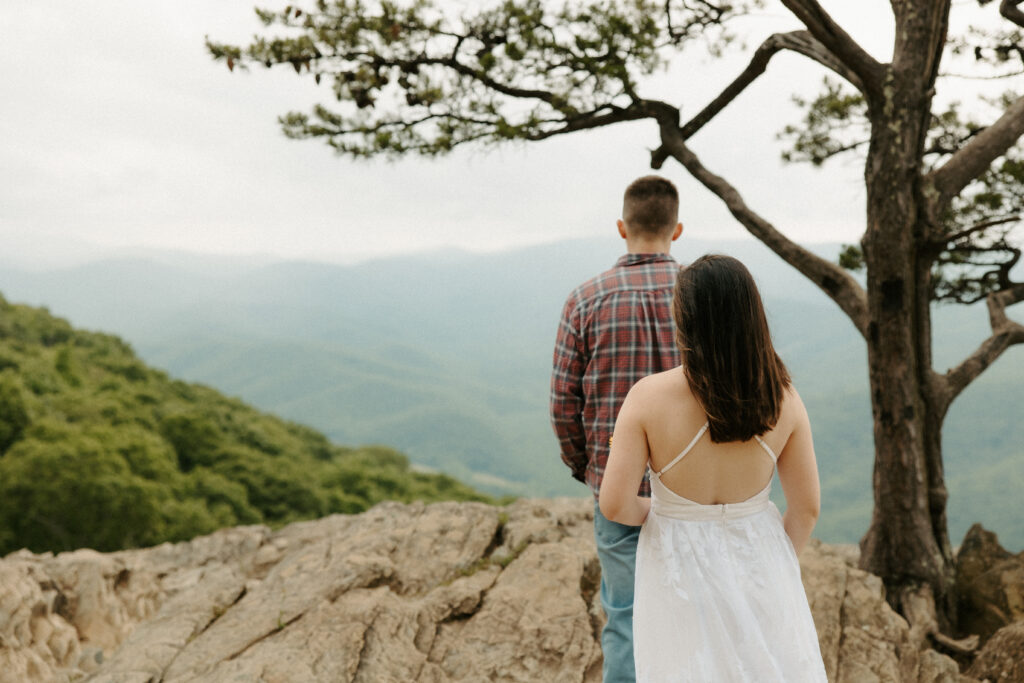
pixel 99 450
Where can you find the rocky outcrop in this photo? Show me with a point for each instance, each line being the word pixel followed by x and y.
pixel 63 616
pixel 402 592
pixel 443 592
pixel 989 584
pixel 861 637
pixel 1002 658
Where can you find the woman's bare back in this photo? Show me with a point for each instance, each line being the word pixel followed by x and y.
pixel 710 473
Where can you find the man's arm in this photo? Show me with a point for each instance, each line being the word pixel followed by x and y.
pixel 567 393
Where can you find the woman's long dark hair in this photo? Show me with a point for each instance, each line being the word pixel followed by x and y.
pixel 728 357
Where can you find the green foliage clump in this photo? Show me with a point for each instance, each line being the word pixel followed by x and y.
pixel 99 450
pixel 421 78
pixel 13 413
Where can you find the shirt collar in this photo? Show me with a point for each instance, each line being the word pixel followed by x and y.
pixel 638 259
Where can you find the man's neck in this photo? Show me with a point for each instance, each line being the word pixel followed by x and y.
pixel 648 246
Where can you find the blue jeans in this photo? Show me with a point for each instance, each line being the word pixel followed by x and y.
pixel 616 550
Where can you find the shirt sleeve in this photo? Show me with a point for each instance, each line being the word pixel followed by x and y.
pixel 567 393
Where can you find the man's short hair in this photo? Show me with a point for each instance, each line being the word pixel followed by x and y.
pixel 651 205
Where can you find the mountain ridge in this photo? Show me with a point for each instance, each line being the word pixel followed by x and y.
pixel 446 356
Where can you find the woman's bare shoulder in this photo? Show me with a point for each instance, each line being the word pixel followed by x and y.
pixel 793 411
pixel 793 402
pixel 655 392
pixel 659 382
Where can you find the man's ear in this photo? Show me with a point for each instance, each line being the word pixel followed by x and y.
pixel 677 232
pixel 622 228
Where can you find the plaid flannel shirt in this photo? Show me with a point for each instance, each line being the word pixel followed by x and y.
pixel 615 329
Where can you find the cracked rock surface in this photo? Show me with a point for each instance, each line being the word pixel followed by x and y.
pixel 429 593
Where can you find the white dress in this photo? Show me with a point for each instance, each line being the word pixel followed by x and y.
pixel 718 597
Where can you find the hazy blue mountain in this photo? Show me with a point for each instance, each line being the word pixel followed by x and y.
pixel 446 356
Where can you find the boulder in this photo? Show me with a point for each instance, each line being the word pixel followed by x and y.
pixel 989 584
pixel 1002 658
pixel 861 638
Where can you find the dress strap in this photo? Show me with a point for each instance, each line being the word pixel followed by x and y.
pixel 767 448
pixel 684 452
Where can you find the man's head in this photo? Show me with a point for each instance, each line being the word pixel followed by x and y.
pixel 651 206
pixel 650 211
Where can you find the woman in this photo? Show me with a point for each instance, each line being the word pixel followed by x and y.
pixel 718 596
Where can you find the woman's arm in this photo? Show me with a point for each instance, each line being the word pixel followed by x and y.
pixel 798 474
pixel 626 465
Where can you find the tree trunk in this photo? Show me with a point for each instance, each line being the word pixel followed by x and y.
pixel 907 543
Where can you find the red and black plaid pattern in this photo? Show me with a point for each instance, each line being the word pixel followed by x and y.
pixel 615 329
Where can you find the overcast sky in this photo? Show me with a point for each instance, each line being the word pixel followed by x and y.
pixel 119 131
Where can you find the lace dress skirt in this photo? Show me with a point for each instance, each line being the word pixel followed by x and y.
pixel 718 596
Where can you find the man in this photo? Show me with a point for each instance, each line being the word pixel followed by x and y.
pixel 615 329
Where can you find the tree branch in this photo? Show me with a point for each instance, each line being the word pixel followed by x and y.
pixel 468 71
pixel 1005 333
pixel 984 148
pixel 984 225
pixel 838 42
pixel 1010 10
pixel 592 120
pixel 797 41
pixel 839 285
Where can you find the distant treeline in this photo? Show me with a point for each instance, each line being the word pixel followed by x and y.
pixel 98 450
